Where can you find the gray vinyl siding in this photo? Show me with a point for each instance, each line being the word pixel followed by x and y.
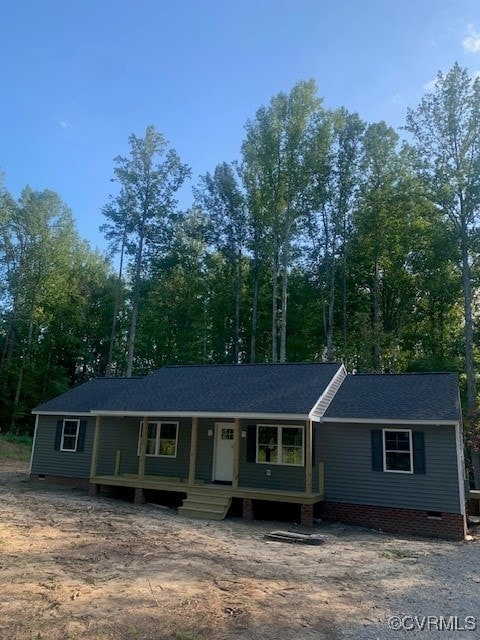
pixel 318 455
pixel 70 464
pixel 346 452
pixel 205 445
pixel 173 467
pixel 123 433
pixel 282 477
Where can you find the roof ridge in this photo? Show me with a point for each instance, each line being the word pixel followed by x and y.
pixel 405 373
pixel 246 364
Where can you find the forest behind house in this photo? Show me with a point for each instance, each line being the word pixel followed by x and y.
pixel 329 238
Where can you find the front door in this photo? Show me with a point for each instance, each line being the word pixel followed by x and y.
pixel 223 454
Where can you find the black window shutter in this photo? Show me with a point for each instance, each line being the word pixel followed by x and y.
pixel 252 443
pixel 81 435
pixel 377 450
pixel 418 438
pixel 58 435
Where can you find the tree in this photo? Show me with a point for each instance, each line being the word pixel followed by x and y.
pixel 149 178
pixel 446 132
pixel 176 322
pixel 275 177
pixel 56 292
pixel 221 198
pixel 334 150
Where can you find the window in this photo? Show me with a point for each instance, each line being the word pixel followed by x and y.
pixel 161 439
pixel 397 451
pixel 280 445
pixel 70 435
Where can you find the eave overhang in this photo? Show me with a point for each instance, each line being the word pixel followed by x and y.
pixel 390 421
pixel 202 414
pixel 62 413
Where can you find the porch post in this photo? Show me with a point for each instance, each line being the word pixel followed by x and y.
pixel 236 452
pixel 143 447
pixel 193 453
pixel 96 442
pixel 308 458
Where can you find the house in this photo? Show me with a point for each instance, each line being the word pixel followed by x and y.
pixel 383 451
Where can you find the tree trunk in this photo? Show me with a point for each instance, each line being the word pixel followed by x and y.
pixel 133 326
pixel 376 320
pixel 108 370
pixel 283 321
pixel 274 306
pixel 238 286
pixel 253 337
pixel 344 299
pixel 331 306
pixel 24 359
pixel 135 300
pixel 469 359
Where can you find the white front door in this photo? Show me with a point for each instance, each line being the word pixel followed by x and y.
pixel 223 454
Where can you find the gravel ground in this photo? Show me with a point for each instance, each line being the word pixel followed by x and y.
pixel 433 594
pixel 73 567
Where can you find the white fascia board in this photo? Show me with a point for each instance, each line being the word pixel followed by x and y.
pixel 203 414
pixel 334 384
pixel 33 444
pixel 63 413
pixel 391 421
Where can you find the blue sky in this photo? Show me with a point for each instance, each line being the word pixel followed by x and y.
pixel 79 76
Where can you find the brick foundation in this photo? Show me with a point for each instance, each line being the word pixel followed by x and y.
pixel 306 515
pixel 139 497
pixel 247 509
pixel 450 526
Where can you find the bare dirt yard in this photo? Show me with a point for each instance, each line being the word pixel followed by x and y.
pixel 96 568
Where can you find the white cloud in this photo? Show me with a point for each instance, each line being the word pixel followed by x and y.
pixel 65 124
pixel 471 41
pixel 476 74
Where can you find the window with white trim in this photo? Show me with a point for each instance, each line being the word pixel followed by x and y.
pixel 280 444
pixel 162 439
pixel 397 450
pixel 70 432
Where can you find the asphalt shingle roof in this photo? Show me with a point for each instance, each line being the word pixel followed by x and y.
pixel 406 396
pixel 87 396
pixel 267 388
pixel 256 388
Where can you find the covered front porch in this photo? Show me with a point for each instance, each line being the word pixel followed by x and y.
pixel 206 449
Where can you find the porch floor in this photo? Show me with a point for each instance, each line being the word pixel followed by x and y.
pixel 158 483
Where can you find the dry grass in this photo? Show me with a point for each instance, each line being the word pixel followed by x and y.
pixel 15 447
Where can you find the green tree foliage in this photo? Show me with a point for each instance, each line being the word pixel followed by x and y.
pixel 369 245
pixel 48 311
pixel 333 164
pixel 276 178
pixel 446 131
pixel 222 199
pixel 139 217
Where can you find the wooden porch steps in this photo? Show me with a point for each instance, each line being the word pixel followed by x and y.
pixel 200 503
